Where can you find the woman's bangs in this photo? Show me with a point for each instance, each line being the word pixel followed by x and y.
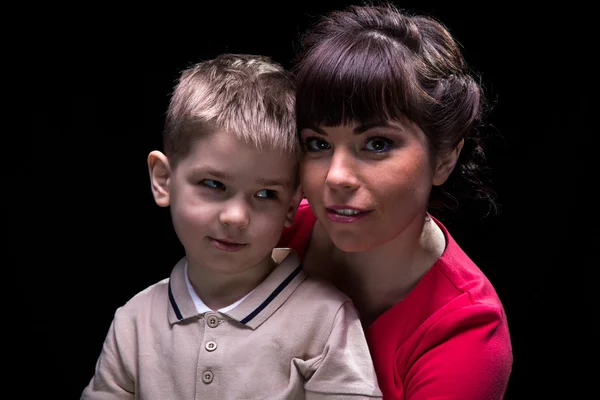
pixel 354 81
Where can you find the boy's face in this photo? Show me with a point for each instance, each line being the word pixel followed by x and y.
pixel 229 202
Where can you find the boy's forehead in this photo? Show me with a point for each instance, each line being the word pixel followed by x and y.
pixel 225 152
pixel 238 140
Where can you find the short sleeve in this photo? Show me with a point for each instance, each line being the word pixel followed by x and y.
pixel 113 377
pixel 467 354
pixel 345 369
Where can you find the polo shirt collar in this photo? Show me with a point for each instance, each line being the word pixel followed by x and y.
pixel 255 309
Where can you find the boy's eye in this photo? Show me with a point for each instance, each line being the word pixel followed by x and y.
pixel 213 184
pixel 266 194
pixel 316 144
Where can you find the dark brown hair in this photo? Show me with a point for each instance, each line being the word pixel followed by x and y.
pixel 375 63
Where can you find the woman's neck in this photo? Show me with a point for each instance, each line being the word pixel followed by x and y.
pixel 379 278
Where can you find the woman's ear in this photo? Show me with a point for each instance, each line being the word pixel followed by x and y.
pixel 446 164
pixel 160 173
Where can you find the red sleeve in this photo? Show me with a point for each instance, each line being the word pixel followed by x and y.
pixel 296 236
pixel 466 354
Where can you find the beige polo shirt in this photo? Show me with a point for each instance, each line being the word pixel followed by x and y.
pixel 291 338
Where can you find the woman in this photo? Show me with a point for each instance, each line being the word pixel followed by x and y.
pixel 387 115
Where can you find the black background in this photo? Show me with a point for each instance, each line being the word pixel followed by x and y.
pixel 100 80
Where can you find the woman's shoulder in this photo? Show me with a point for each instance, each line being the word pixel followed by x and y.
pixel 463 274
pixel 454 289
pixel 450 328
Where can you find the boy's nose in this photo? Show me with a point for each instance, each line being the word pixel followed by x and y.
pixel 235 215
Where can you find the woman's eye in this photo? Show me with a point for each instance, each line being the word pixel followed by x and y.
pixel 267 194
pixel 213 184
pixel 379 144
pixel 316 144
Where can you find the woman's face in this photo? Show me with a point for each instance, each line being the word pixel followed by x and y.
pixel 367 184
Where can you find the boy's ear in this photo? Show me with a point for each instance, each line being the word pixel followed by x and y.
pixel 160 173
pixel 446 164
pixel 291 214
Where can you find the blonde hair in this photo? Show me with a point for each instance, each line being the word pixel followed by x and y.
pixel 250 96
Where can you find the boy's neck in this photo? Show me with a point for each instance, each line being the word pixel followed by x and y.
pixel 217 289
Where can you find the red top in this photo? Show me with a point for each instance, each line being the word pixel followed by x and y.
pixel 447 339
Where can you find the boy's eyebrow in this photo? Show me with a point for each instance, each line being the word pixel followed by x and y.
pixel 213 172
pixel 286 183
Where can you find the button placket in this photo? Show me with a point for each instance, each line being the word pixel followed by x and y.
pixel 208 383
pixel 211 345
pixel 212 321
pixel 207 377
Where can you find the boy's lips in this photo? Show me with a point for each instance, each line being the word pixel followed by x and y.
pixel 226 244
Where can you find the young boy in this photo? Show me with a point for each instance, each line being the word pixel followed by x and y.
pixel 237 319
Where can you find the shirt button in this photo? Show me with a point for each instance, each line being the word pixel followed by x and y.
pixel 211 346
pixel 207 377
pixel 212 321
